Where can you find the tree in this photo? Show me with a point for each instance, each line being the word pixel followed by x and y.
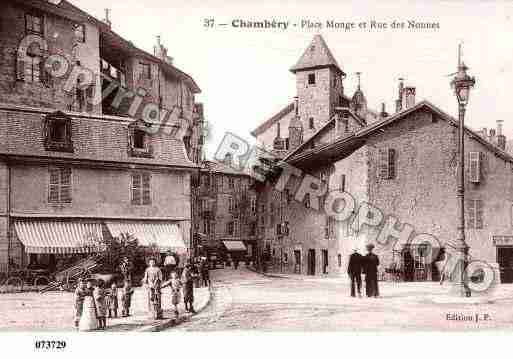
pixel 117 248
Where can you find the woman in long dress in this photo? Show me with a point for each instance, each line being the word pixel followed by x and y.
pixel 100 295
pixel 153 281
pixel 80 294
pixel 88 319
pixel 175 285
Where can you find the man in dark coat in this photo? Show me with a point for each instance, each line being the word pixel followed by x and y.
pixel 354 270
pixel 371 263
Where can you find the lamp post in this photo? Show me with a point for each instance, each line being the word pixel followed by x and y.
pixel 462 83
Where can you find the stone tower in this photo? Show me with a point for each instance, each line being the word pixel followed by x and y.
pixel 295 128
pixel 319 85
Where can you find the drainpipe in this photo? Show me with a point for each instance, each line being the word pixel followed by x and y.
pixel 8 219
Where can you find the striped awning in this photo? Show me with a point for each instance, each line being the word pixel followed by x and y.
pixel 166 236
pixel 234 245
pixel 59 237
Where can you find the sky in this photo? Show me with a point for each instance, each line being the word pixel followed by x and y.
pixel 244 73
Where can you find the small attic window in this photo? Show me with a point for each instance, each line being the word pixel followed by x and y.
pixel 312 48
pixel 311 79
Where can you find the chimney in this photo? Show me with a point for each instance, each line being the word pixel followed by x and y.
pixel 107 17
pixel 491 137
pixel 484 133
pixel 399 102
pixel 408 99
pixel 501 139
pixel 383 113
pixel 160 52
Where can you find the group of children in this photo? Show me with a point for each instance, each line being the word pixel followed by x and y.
pixel 93 304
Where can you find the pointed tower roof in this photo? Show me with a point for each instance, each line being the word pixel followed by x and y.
pixel 316 55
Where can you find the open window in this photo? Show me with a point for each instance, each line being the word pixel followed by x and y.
pixel 57 132
pixel 139 140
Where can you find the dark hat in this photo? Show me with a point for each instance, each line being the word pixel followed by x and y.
pixel 369 246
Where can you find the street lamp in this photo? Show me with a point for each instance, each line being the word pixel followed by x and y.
pixel 462 83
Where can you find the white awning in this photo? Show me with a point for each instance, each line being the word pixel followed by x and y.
pixel 234 245
pixel 59 237
pixel 165 235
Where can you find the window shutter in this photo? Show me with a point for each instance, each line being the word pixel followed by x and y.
pixel 146 189
pixel 471 214
pixel 65 185
pixel 391 163
pixel 383 164
pixel 44 71
pixel 342 183
pixel 475 166
pixel 386 163
pixel 20 66
pixel 136 189
pixel 53 188
pixel 479 213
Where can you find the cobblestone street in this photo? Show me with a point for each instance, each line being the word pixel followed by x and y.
pixel 53 311
pixel 246 300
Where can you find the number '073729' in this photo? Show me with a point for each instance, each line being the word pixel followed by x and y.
pixel 50 344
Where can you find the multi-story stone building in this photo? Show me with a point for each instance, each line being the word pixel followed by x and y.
pixel 226 210
pixel 105 144
pixel 400 173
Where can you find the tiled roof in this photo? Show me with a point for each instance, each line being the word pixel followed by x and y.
pixel 271 121
pixel 219 167
pixel 95 138
pixel 316 55
pixel 371 129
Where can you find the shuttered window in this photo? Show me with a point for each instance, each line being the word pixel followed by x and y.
pixel 342 185
pixel 387 158
pixel 475 159
pixel 141 189
pixel 475 213
pixel 60 187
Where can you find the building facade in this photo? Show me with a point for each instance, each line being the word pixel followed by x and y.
pixel 226 210
pixel 108 147
pixel 400 171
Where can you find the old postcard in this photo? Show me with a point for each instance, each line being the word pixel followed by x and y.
pixel 256 166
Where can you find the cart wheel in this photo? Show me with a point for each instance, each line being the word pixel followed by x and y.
pixel 13 284
pixel 42 280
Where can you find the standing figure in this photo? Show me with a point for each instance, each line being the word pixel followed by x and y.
pixel 176 287
pixel 126 299
pixel 112 301
pixel 100 300
pixel 354 270
pixel 371 263
pixel 205 273
pixel 188 289
pixel 153 281
pixel 89 317
pixel 126 269
pixel 80 294
pixel 169 264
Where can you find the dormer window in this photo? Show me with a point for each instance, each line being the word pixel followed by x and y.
pixel 34 23
pixel 79 31
pixel 139 141
pixel 57 132
pixel 311 79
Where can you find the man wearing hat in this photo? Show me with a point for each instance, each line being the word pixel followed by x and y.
pixel 354 270
pixel 371 263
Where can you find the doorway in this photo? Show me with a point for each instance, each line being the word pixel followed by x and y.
pixel 505 260
pixel 297 261
pixel 311 262
pixel 324 261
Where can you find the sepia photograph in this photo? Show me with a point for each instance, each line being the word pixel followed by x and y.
pixel 254 167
